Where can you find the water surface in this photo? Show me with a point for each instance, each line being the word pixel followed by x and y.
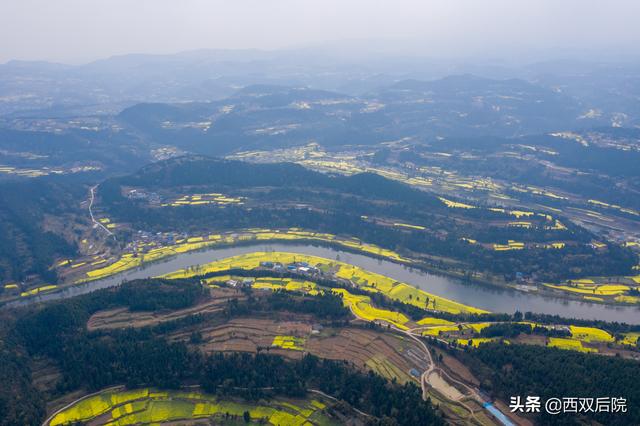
pixel 490 298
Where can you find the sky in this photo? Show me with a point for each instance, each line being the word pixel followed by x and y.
pixel 78 31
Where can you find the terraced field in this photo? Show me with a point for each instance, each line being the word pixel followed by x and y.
pixel 389 355
pixel 284 334
pixel 123 317
pixel 150 406
pixel 289 336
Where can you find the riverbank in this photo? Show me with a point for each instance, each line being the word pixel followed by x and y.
pixel 489 298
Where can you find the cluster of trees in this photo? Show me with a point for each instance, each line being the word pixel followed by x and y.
pixel 515 329
pixel 44 329
pixel 156 294
pixel 246 374
pixel 20 402
pixel 612 327
pixel 526 370
pixel 326 306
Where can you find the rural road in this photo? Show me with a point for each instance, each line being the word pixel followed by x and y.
pixel 432 368
pixel 424 379
pixel 92 197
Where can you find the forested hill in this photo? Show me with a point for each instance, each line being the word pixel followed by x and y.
pixel 206 171
pixel 27 248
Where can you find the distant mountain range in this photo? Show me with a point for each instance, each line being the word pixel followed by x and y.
pixel 265 117
pixel 107 86
pixel 122 112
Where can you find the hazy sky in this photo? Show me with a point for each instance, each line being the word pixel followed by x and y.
pixel 82 30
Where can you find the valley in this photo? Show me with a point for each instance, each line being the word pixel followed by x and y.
pixel 245 237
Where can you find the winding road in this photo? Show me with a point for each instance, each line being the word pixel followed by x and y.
pixel 92 197
pixel 434 369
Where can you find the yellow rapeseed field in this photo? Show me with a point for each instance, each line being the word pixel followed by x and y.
pixel 590 334
pixel 289 342
pixel 362 308
pixel 455 204
pixel 367 280
pixel 409 226
pixel 38 290
pixel 630 338
pixel 433 321
pixel 205 199
pixel 130 260
pixel 475 342
pixel 568 344
pixel 148 406
pixel 511 245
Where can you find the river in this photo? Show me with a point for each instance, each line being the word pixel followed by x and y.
pixel 494 299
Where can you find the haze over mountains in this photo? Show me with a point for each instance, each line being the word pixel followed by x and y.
pixel 205 75
pixel 217 102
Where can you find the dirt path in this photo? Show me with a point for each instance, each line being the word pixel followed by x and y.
pixel 446 390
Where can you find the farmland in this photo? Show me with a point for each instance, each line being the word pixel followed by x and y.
pixel 389 355
pixel 122 317
pixel 577 338
pixel 214 198
pixel 502 244
pixel 368 281
pixel 275 332
pixel 361 306
pixel 446 174
pixel 211 326
pixel 142 253
pixel 613 289
pixel 128 407
pixel 45 171
pixel 374 322
pixel 271 336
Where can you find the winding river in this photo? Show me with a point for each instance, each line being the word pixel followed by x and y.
pixel 494 299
